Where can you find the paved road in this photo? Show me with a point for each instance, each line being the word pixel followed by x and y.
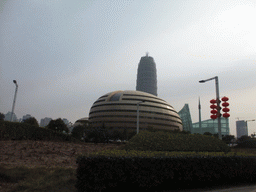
pixel 246 188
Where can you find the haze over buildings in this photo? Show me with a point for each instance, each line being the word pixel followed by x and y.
pixel 65 54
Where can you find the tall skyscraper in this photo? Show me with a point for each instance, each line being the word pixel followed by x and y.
pixel 146 75
pixel 241 128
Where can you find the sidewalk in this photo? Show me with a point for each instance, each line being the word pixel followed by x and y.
pixel 248 188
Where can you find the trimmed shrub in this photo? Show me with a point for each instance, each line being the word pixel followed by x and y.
pixel 163 154
pixel 102 173
pixel 23 131
pixel 251 143
pixel 104 134
pixel 163 141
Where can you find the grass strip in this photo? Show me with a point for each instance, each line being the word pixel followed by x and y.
pixel 41 179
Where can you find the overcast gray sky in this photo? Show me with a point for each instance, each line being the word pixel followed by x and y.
pixel 65 54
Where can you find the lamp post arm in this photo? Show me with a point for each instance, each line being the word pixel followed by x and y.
pixel 203 81
pixel 211 78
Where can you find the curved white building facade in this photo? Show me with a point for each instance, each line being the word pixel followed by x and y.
pixel 119 110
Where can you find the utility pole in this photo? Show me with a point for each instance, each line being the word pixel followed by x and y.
pixel 200 121
pixel 138 116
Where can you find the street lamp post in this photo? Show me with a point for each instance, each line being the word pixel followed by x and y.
pixel 247 124
pixel 200 122
pixel 217 100
pixel 15 95
pixel 138 116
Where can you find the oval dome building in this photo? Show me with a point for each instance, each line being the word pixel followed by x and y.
pixel 119 110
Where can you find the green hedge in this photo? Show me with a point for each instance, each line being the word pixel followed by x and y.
pixel 163 154
pixel 22 131
pixel 251 143
pixel 163 141
pixel 102 173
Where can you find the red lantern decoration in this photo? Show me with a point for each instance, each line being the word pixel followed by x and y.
pixel 224 99
pixel 213 106
pixel 213 101
pixel 213 116
pixel 225 104
pixel 225 109
pixel 214 111
pixel 226 115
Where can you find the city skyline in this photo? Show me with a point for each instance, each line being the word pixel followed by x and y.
pixel 42 123
pixel 64 55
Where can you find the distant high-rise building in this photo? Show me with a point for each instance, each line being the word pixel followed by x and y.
pixel 146 75
pixel 67 122
pixel 26 117
pixel 8 117
pixel 241 128
pixel 44 122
